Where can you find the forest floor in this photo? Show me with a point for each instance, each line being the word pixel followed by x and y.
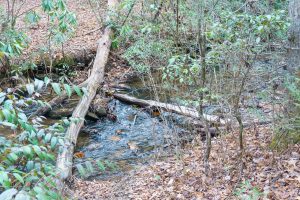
pixel 82 46
pixel 268 174
pixel 84 40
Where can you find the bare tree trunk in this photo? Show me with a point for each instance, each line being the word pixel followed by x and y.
pixel 182 110
pixel 202 42
pixel 65 157
pixel 294 36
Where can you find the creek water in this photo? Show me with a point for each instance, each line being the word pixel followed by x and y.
pixel 129 140
pixel 134 137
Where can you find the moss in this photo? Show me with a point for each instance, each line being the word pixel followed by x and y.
pixel 57 62
pixel 67 60
pixel 282 140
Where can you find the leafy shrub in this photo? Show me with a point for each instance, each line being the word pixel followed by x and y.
pixel 146 53
pixel 90 168
pixel 28 159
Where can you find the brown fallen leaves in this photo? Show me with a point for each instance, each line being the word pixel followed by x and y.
pixel 78 155
pixel 115 138
pixel 273 175
pixel 132 145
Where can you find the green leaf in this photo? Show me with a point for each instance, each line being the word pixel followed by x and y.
pixel 13 157
pixel 11 125
pixel 22 116
pixel 43 196
pixel 19 177
pixel 7 114
pixel 38 190
pixel 101 165
pixel 56 88
pixel 89 166
pixel 85 91
pixel 30 165
pixel 10 49
pixel 61 141
pixel 32 17
pixel 30 179
pixel 53 142
pixel 68 89
pixel 30 88
pixel 22 195
pixel 46 80
pixel 2 97
pixel 172 60
pixel 48 137
pixel 3 177
pixel 8 194
pixel 38 151
pixel 53 194
pixel 66 122
pixel 27 150
pixel 77 90
pixel 81 170
pixel 38 84
pixel 258 40
pixel 32 134
pixel 40 133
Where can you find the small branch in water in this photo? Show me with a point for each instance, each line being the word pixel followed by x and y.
pixel 135 116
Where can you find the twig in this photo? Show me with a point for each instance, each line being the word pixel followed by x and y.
pixel 158 11
pixel 30 9
pixel 135 116
pixel 129 12
pixel 92 31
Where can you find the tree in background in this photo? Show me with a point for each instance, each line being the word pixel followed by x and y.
pixel 294 35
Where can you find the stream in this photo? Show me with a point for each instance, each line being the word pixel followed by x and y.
pixel 130 140
pixel 134 138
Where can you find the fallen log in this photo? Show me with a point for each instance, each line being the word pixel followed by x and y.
pixel 190 113
pixel 182 110
pixel 97 108
pixel 65 156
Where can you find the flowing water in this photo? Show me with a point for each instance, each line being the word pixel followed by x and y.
pixel 134 137
pixel 131 139
pixel 128 141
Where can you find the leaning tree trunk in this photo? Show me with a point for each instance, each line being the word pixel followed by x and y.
pixel 65 157
pixel 294 35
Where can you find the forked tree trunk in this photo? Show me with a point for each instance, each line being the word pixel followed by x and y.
pixel 65 157
pixel 294 35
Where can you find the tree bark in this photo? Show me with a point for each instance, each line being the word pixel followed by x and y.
pixel 65 157
pixel 294 36
pixel 182 110
pixel 191 114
